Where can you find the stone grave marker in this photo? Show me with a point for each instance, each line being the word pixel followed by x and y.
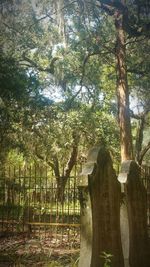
pixel 135 195
pixel 101 208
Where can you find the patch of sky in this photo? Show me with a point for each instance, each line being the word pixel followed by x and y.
pixel 57 48
pixel 53 93
pixel 135 105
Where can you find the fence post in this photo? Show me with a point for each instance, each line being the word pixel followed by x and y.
pixel 104 191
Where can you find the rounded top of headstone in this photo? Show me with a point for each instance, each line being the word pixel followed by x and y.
pixel 93 154
pixel 88 167
pixel 126 167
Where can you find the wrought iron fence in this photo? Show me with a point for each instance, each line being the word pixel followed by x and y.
pixel 29 203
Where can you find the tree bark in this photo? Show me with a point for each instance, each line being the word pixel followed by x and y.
pixel 123 91
pixel 139 138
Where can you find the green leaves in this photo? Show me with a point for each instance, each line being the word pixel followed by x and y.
pixel 107 258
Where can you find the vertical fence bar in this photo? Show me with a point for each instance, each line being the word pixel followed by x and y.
pixel 45 200
pixel 35 195
pixel 19 195
pixel 24 199
pixel 3 198
pixel 51 200
pixel 40 197
pixel 29 215
pixel 57 211
pixel 29 201
pixel 74 196
pixel 8 197
pixel 13 202
pixel 74 205
pixel 68 211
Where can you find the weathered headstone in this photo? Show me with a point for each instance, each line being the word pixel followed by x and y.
pixel 86 229
pixel 124 228
pixel 86 212
pixel 124 220
pixel 104 191
pixel 139 253
pixel 135 195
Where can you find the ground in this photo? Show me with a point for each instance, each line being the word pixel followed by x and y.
pixel 20 251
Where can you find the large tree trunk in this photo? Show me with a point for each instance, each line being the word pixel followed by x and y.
pixel 123 91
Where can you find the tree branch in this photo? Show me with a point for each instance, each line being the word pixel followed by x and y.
pixel 138 72
pixel 139 116
pixel 73 157
pixel 143 152
pixel 56 167
pixel 44 159
pixel 135 116
pixel 49 69
pixel 83 70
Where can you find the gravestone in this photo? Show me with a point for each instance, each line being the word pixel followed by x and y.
pixel 103 200
pixel 124 220
pixel 86 229
pixel 135 195
pixel 124 228
pixel 86 212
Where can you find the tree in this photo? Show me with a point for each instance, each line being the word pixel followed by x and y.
pixel 77 51
pixel 62 139
pixel 138 69
pixel 124 17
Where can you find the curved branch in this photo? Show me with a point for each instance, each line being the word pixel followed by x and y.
pixel 49 69
pixel 143 152
pixel 73 157
pixel 85 61
pixel 139 116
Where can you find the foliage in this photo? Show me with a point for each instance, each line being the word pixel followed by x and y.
pixel 48 47
pixel 18 97
pixel 107 258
